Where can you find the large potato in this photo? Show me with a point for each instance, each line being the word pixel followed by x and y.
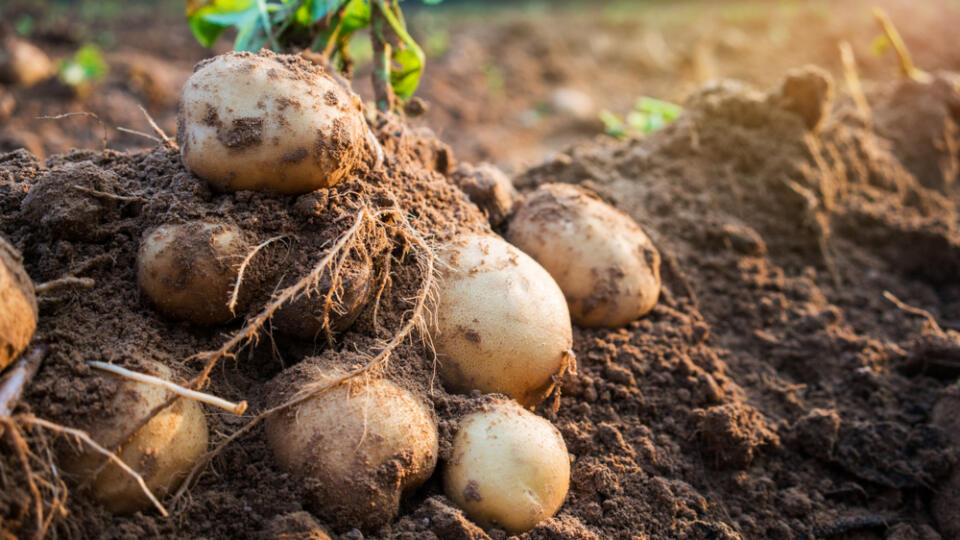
pixel 18 305
pixel 509 467
pixel 188 271
pixel 163 451
pixel 502 322
pixel 268 122
pixel 358 450
pixel 606 266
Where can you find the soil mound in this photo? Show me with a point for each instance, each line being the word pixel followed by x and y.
pixel 783 387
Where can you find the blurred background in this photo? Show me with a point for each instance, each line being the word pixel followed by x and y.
pixel 506 82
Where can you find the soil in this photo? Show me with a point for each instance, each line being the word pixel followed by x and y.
pixel 793 381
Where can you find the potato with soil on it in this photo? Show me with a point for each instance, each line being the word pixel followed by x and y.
pixel 268 122
pixel 18 305
pixel 358 449
pixel 23 63
pixel 502 322
pixel 488 188
pixel 510 467
pixel 162 451
pixel 189 270
pixel 606 266
pixel 304 316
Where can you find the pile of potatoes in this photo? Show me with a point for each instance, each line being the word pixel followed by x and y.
pixel 503 320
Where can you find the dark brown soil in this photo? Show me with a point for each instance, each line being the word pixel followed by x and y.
pixel 773 392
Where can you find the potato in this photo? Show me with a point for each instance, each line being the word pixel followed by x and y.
pixel 488 188
pixel 268 122
pixel 188 271
pixel 303 317
pixel 606 266
pixel 23 63
pixel 502 322
pixel 509 467
pixel 163 451
pixel 358 450
pixel 18 305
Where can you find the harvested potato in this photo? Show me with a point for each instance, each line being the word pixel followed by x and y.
pixel 163 451
pixel 268 122
pixel 510 468
pixel 303 317
pixel 606 266
pixel 18 305
pixel 23 63
pixel 188 271
pixel 502 322
pixel 358 450
pixel 488 188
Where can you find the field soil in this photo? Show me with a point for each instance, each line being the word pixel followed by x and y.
pixel 797 379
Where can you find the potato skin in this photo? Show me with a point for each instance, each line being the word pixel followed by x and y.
pixel 503 325
pixel 188 271
pixel 510 467
pixel 268 122
pixel 605 264
pixel 163 451
pixel 18 305
pixel 358 450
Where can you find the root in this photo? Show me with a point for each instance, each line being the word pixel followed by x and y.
pixel 83 437
pixel 235 408
pixel 251 329
pixel 105 195
pixel 415 319
pixel 232 304
pixel 914 311
pixel 68 282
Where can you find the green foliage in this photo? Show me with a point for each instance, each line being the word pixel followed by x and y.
pixel 24 25
pixel 86 65
pixel 648 115
pixel 320 25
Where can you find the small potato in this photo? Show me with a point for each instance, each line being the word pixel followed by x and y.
pixel 18 305
pixel 163 451
pixel 488 188
pixel 303 317
pixel 23 63
pixel 606 266
pixel 268 122
pixel 188 271
pixel 358 450
pixel 510 468
pixel 502 322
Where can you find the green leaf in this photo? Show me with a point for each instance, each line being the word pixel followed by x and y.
pixel 86 65
pixel 612 124
pixel 355 16
pixel 320 8
pixel 405 79
pixel 432 2
pixel 209 21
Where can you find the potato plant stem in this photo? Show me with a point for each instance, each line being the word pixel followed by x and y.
pixel 235 408
pixel 382 90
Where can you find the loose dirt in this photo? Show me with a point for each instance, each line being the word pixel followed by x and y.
pixel 777 390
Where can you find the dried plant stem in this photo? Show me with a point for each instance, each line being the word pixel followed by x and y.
pixel 156 129
pixel 907 67
pixel 232 304
pixel 235 408
pixel 852 77
pixel 105 195
pixel 17 378
pixel 83 437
